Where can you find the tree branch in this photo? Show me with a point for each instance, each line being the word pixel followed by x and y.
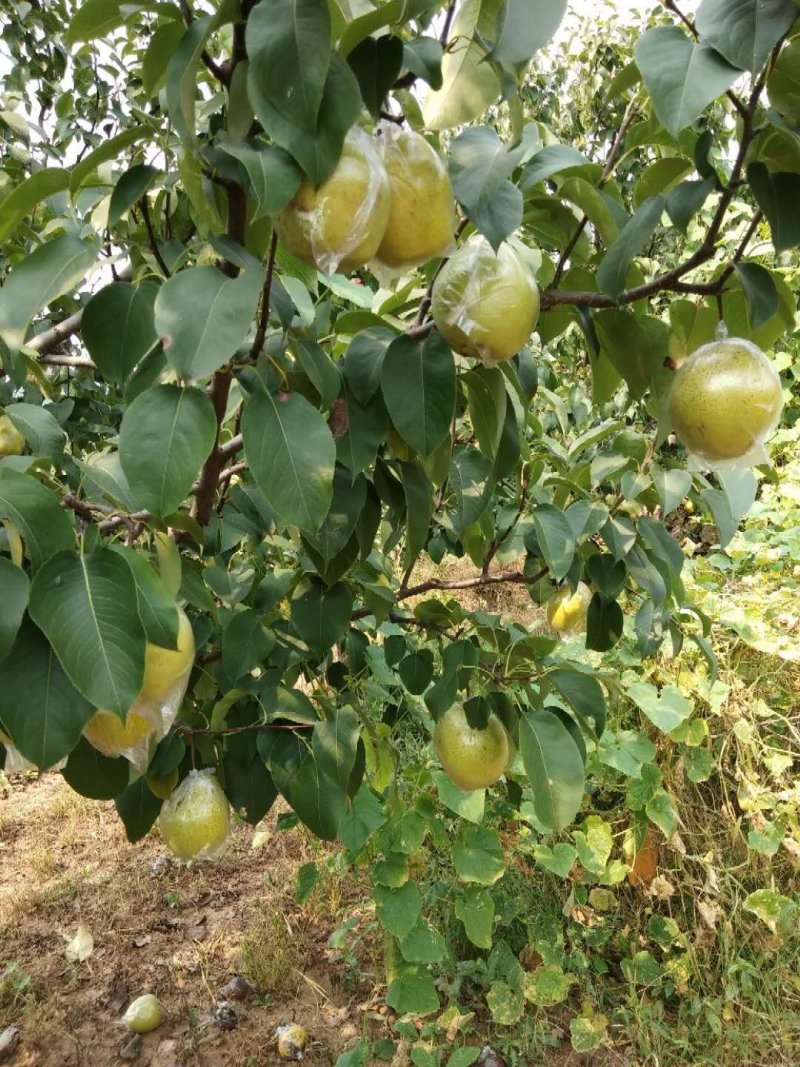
pixel 263 317
pixel 152 237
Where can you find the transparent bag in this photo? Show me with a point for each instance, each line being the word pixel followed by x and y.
pixel 725 402
pixel 340 225
pixel 422 212
pixel 195 820
pixel 486 303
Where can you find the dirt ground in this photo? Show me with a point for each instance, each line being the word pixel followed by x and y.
pixel 157 927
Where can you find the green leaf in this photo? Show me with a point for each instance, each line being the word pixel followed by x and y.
pixel 274 175
pixel 317 800
pixel 416 671
pixel 334 743
pixel 249 787
pixel 672 485
pixel 556 539
pixel 349 498
pixel 87 607
pixel 202 317
pixel 399 909
pixel 165 437
pixel 94 18
pixel 469 83
pixel 783 83
pixel 363 361
pixel 594 205
pixel 548 161
pixel 584 693
pixel 475 909
pixel 393 11
pixel 376 64
pixel 423 944
pixel 289 48
pixel 40 707
pixel 418 492
pixel 50 271
pixel 245 644
pixel 480 165
pixel 778 912
pixel 607 575
pixel 93 775
pixel 418 381
pixel 291 455
pixel 20 201
pixel 413 992
pixel 635 345
pixel 157 609
pixel 307 879
pixel 317 149
pixel 554 768
pixel 488 403
pixel 45 526
pixel 471 480
pixel 660 177
pixel 760 291
pixel 632 240
pixel 686 199
pixel 14 588
pixel 130 188
pixel 525 26
pixel 39 428
pixel 320 615
pixel 423 57
pixel 478 855
pixel 666 710
pixel 181 78
pixel 108 150
pixel 604 623
pixel 558 859
pixel 682 77
pixel 776 192
pixel 138 808
pixel 745 31
pixel 118 328
pixel 366 429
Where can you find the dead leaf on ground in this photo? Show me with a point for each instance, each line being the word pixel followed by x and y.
pixel 81 946
pixel 645 863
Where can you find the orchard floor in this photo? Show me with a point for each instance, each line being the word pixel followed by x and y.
pixel 157 927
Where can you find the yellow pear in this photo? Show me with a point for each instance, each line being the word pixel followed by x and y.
pixel 566 611
pixel 166 668
pixel 106 732
pixel 11 440
pixel 422 212
pixel 340 225
pixel 472 759
pixel 725 402
pixel 485 303
pixel 195 821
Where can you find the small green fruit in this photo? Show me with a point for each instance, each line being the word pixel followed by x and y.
pixel 144 1014
pixel 11 440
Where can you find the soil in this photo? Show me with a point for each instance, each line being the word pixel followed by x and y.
pixel 159 927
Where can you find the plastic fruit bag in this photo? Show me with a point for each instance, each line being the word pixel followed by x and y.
pixel 195 821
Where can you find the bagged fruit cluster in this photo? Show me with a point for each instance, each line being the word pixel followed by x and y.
pixel 725 403
pixel 166 676
pixel 388 201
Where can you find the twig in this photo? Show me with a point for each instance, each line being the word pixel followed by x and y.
pixel 67 361
pixel 152 237
pixel 263 316
pixel 448 22
pixel 208 481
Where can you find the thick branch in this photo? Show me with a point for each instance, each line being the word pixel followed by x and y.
pixel 152 237
pixel 208 481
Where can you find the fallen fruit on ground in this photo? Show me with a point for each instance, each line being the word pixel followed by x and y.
pixel 11 440
pixel 340 225
pixel 486 304
pixel 566 611
pixel 195 821
pixel 422 209
pixel 166 668
pixel 292 1040
pixel 144 1014
pixel 106 732
pixel 725 402
pixel 471 758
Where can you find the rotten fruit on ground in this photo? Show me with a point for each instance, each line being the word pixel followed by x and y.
pixel 195 820
pixel 422 209
pixel 340 225
pixel 11 440
pixel 144 1014
pixel 471 758
pixel 291 1040
pixel 725 402
pixel 485 303
pixel 567 610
